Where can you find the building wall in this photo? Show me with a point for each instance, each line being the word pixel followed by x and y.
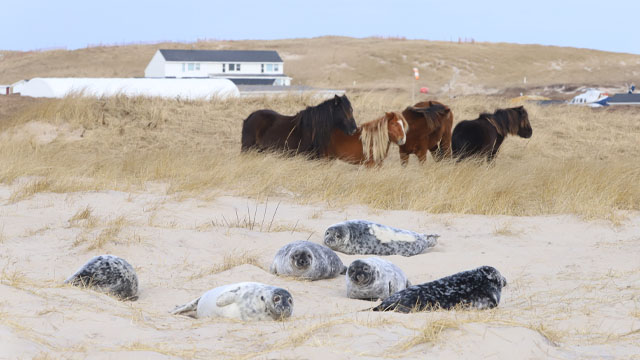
pixel 156 66
pixel 181 69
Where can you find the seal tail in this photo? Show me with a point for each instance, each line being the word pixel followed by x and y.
pixel 188 309
pixel 432 240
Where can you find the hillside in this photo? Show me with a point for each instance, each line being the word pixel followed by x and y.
pixel 367 64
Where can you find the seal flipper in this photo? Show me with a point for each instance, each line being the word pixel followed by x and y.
pixel 344 270
pixel 188 309
pixel 227 298
pixel 432 240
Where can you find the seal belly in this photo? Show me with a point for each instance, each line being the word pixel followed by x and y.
pixel 385 234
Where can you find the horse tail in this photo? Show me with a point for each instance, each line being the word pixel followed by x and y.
pixel 444 150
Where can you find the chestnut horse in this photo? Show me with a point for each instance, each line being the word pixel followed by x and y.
pixel 484 135
pixel 430 123
pixel 370 143
pixel 308 132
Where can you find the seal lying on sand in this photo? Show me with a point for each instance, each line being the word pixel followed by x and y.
pixel 307 260
pixel 109 274
pixel 242 301
pixel 478 288
pixel 367 238
pixel 374 278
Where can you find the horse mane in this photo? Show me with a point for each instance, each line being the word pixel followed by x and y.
pixel 506 121
pixel 317 121
pixel 374 136
pixel 433 115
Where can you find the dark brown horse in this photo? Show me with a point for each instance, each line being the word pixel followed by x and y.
pixel 430 123
pixel 308 132
pixel 484 135
pixel 370 144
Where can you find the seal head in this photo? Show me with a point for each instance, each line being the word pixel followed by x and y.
pixel 361 273
pixel 279 305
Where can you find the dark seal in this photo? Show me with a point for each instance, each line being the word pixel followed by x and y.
pixel 109 274
pixel 478 288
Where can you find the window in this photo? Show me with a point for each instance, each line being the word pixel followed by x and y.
pixel 275 67
pixel 191 65
pixel 269 67
pixel 224 67
pixel 261 68
pixel 183 67
pixel 197 66
pixel 237 67
pixel 232 67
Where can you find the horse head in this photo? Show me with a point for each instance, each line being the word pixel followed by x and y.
pixel 343 115
pixel 524 130
pixel 397 127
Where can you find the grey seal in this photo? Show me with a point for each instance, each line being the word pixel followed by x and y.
pixel 241 301
pixel 374 278
pixel 307 260
pixel 478 288
pixel 109 274
pixel 367 238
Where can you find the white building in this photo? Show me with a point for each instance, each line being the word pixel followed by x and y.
pixel 99 87
pixel 243 67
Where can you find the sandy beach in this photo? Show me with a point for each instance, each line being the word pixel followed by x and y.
pixel 573 288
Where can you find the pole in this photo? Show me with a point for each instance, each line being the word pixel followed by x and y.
pixel 416 77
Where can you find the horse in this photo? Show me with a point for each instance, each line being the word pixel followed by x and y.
pixel 308 132
pixel 484 135
pixel 369 145
pixel 431 124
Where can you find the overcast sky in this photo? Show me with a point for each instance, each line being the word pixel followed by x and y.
pixel 612 25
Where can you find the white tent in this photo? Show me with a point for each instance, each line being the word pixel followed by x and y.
pixel 99 87
pixel 589 97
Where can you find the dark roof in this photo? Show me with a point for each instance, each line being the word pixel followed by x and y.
pixel 624 98
pixel 221 55
pixel 252 81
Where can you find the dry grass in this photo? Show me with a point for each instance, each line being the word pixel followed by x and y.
pixel 108 235
pixel 230 261
pixel 579 160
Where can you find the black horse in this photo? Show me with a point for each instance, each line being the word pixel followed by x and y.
pixel 484 135
pixel 308 132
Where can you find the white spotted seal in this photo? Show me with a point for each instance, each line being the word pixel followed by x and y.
pixel 109 274
pixel 478 288
pixel 307 260
pixel 374 278
pixel 242 301
pixel 361 237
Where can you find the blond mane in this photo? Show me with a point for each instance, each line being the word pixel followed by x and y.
pixel 374 136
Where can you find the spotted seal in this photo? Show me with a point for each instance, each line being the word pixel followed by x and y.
pixel 109 274
pixel 307 260
pixel 374 278
pixel 367 238
pixel 478 288
pixel 242 301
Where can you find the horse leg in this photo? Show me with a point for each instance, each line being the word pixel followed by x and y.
pixel 436 153
pixel 422 155
pixel 404 158
pixel 496 146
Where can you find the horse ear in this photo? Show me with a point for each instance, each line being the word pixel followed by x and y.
pixel 336 100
